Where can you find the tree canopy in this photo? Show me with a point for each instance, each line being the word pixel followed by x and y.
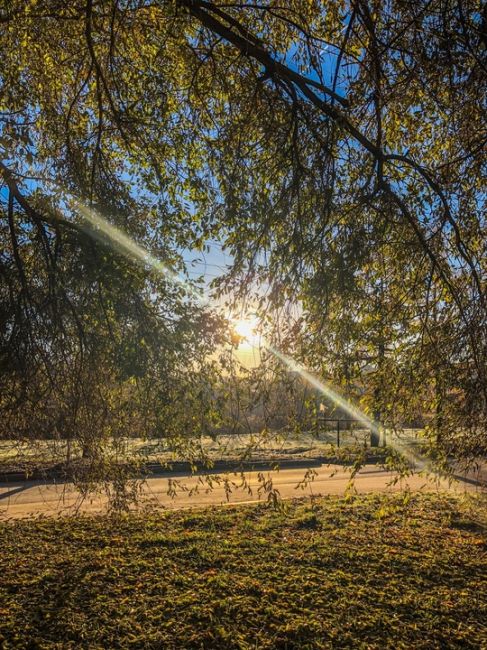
pixel 337 150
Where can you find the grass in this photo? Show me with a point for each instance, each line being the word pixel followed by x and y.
pixel 369 572
pixel 42 455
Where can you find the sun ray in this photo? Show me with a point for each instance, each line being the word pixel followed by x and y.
pixel 246 328
pixel 126 245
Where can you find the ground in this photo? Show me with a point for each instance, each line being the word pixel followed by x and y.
pixel 400 571
pixel 38 454
pixel 38 457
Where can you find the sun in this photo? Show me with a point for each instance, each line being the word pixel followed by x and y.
pixel 247 329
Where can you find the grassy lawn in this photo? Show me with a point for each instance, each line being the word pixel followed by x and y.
pixel 272 445
pixel 32 455
pixel 370 572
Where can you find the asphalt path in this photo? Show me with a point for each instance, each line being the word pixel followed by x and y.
pixel 29 498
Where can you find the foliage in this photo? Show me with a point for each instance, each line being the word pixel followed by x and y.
pixel 371 572
pixel 336 150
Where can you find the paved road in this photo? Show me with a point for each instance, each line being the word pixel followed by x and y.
pixel 18 500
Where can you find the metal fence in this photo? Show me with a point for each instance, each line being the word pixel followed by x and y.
pixel 345 430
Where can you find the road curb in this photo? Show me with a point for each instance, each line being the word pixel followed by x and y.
pixel 471 481
pixel 183 468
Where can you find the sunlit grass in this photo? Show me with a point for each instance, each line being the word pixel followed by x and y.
pixel 370 572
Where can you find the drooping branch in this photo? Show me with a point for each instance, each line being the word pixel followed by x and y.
pixel 227 27
pixel 35 215
pixel 251 47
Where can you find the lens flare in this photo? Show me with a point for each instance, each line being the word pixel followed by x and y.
pixel 127 246
pixel 325 390
pixel 246 328
pixel 414 459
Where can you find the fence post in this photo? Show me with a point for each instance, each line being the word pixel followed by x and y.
pixel 338 433
pixel 374 436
